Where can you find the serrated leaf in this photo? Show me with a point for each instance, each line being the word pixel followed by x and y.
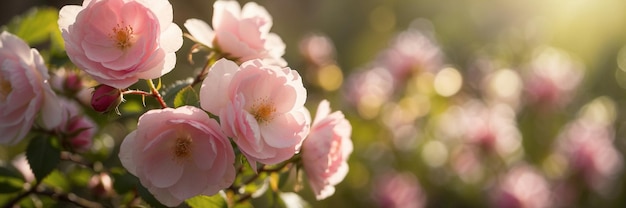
pixel 43 156
pixel 215 201
pixel 171 91
pixel 186 96
pixel 10 181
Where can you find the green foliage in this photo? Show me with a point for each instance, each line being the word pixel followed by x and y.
pixel 215 201
pixel 37 26
pixel 58 180
pixel 170 93
pixel 43 155
pixel 10 181
pixel 186 96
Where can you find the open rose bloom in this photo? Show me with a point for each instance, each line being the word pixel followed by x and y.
pixel 326 150
pixel 241 34
pixel 24 90
pixel 119 42
pixel 178 154
pixel 260 106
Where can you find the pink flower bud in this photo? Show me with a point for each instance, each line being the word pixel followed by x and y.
pixel 105 98
pixel 73 82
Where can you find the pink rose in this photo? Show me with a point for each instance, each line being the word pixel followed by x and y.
pixel 179 153
pixel 24 90
pixel 119 42
pixel 241 34
pixel 260 106
pixel 326 150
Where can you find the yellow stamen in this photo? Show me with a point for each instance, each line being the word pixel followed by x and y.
pixel 263 111
pixel 122 36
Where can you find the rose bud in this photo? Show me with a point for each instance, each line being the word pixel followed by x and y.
pixel 105 98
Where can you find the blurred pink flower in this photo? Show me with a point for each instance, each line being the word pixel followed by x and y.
pixel 553 79
pixel 21 164
pixel 368 90
pixel 522 187
pixel 241 34
pixel 491 129
pixel 179 153
pixel 119 42
pixel 80 128
pixel 395 190
pixel 24 90
pixel 591 153
pixel 411 52
pixel 318 49
pixel 260 106
pixel 326 150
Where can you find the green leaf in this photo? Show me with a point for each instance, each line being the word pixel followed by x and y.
pixel 10 181
pixel 186 96
pixel 58 180
pixel 43 156
pixel 170 93
pixel 36 26
pixel 215 201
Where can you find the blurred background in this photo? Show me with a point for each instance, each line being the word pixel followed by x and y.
pixel 477 103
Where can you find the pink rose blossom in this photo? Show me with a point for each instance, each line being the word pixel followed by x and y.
pixel 241 34
pixel 260 106
pixel 119 42
pixel 179 153
pixel 24 90
pixel 326 150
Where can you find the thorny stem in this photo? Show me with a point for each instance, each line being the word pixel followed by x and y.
pixel 156 93
pixel 153 93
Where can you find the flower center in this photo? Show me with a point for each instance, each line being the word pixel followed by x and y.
pixel 5 89
pixel 263 111
pixel 122 36
pixel 182 148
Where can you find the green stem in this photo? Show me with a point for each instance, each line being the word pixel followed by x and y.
pixel 156 93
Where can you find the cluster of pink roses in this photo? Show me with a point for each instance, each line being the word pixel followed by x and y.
pixel 27 99
pixel 183 152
